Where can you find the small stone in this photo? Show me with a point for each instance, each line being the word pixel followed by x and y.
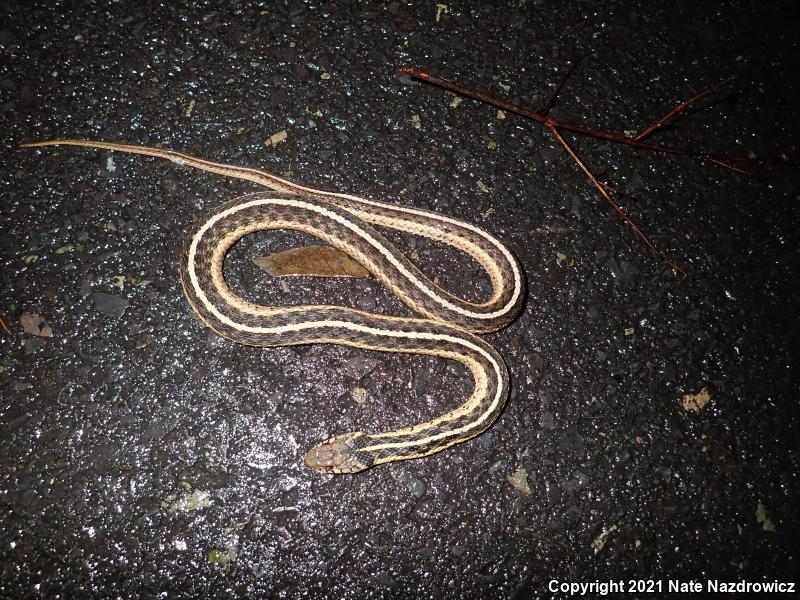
pixel 416 486
pixel 31 345
pixel 109 304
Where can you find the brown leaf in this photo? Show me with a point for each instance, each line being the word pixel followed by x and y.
pixel 318 261
pixel 35 325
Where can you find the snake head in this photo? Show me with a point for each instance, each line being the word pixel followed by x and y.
pixel 339 455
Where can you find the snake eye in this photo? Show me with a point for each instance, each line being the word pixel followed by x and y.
pixel 339 455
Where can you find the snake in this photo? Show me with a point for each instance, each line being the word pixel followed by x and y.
pixel 445 325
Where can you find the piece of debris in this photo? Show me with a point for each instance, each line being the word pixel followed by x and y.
pixel 224 556
pixel 519 480
pixel 763 520
pixel 277 138
pixel 220 557
pixel 601 539
pixel 697 402
pixel 189 501
pixel 360 395
pixel 630 138
pixel 138 282
pixel 34 324
pixel 317 261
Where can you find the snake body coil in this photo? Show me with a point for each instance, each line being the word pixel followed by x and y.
pixel 347 222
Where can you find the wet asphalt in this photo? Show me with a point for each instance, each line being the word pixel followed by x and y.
pixel 141 455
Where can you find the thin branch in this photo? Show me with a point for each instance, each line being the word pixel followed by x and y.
pixel 567 126
pixel 730 166
pixel 678 109
pixel 555 125
pixel 601 187
pixel 3 325
pixel 546 109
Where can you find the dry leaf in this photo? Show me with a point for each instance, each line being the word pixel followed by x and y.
pixel 35 325
pixel 317 261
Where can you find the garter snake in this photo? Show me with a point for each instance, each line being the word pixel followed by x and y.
pixel 347 222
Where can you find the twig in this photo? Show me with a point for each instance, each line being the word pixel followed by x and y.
pixel 3 324
pixel 555 125
pixel 617 208
pixel 567 126
pixel 731 167
pixel 546 109
pixel 678 109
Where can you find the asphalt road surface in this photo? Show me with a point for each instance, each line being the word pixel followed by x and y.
pixel 650 434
